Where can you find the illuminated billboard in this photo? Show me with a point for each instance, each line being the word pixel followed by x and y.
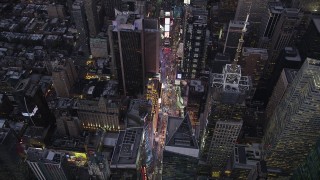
pixel 167 27
pixel 167 14
pixel 166 34
pixel 167 21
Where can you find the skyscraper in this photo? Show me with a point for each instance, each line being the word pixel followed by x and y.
pixel 64 76
pixel 284 81
pixel 196 37
pixel 127 54
pixel 226 104
pixel 268 22
pixel 283 33
pixel 151 45
pixel 134 49
pixel 47 164
pixel 310 43
pixel 294 127
pixel 92 17
pixel 180 156
pixel 80 20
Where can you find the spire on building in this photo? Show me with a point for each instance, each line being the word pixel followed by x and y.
pixel 239 48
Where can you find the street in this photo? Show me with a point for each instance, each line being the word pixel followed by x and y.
pixel 168 57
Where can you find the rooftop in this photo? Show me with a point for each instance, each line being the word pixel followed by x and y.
pixel 290 74
pixel 135 110
pixel 69 143
pixel 292 54
pixel 246 51
pixel 35 132
pixel 3 134
pixel 44 156
pixel 316 22
pixel 127 148
pixel 181 137
pixel 180 133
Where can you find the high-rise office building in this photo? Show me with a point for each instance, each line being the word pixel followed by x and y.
pixel 90 7
pixel 151 45
pixel 310 168
pixel 64 76
pixel 280 88
pixel 47 164
pixel 283 34
pixel 130 49
pixel 290 58
pixel 268 23
pixel 310 43
pixel 126 52
pixel 80 20
pixel 294 126
pixel 224 111
pixel 196 38
pixel 181 150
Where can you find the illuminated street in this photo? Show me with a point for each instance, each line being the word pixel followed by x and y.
pixel 168 104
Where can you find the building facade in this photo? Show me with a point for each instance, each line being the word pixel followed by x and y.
pixel 126 49
pixel 64 76
pixel 100 113
pixel 92 17
pixel 80 20
pixel 280 88
pixel 283 34
pixel 99 47
pixel 224 112
pixel 196 37
pixel 293 128
pixel 47 164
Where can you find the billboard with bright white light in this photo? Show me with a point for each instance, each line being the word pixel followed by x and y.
pixel 167 27
pixel 167 21
pixel 166 34
pixel 167 14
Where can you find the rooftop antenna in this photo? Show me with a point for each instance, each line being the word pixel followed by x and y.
pixel 239 48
